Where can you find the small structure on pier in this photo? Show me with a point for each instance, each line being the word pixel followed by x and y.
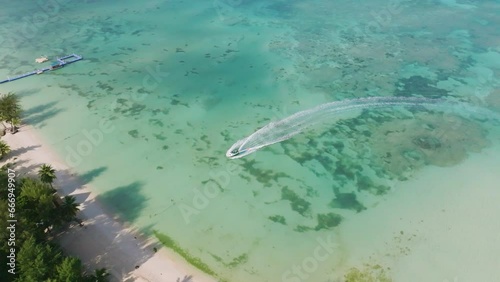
pixel 42 59
pixel 56 65
pixel 59 63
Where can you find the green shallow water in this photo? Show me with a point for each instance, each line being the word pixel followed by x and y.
pixel 166 87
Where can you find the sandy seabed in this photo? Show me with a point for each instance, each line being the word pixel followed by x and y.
pixel 441 226
pixel 102 241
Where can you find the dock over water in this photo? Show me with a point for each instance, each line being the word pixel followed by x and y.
pixel 59 63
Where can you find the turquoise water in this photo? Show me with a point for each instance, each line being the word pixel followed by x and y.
pixel 166 87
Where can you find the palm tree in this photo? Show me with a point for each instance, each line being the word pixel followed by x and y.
pixel 4 148
pixel 10 109
pixel 69 208
pixel 3 129
pixel 47 174
pixel 100 275
pixel 16 122
pixel 5 167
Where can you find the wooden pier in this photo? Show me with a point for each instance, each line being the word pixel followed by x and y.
pixel 59 63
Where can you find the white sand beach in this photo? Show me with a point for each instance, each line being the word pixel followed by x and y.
pixel 102 241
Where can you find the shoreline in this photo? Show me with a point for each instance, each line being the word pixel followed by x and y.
pixel 104 240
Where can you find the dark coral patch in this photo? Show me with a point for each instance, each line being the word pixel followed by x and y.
pixel 134 133
pixel 347 201
pixel 297 203
pixel 329 220
pixel 419 86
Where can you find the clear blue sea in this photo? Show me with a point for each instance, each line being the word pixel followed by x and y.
pixel 166 87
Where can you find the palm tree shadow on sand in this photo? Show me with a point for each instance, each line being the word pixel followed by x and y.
pixel 101 242
pixel 28 92
pixel 127 201
pixel 38 115
pixel 70 181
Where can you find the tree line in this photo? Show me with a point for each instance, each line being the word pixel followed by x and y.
pixel 39 211
pixel 10 112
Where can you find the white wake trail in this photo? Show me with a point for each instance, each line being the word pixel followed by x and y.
pixel 286 128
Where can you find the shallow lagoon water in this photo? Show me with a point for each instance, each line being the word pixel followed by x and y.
pixel 179 82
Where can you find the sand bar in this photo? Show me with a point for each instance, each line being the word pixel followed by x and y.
pixel 441 226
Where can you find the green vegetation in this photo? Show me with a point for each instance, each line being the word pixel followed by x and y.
pixel 373 273
pixel 263 176
pixel 10 110
pixel 100 275
pixel 347 201
pixel 419 85
pixel 38 211
pixel 366 184
pixel 278 218
pixel 69 208
pixel 238 260
pixel 235 262
pixel 302 228
pixel 297 203
pixel 4 149
pixel 134 133
pixel 196 262
pixel 328 220
pixel 47 174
